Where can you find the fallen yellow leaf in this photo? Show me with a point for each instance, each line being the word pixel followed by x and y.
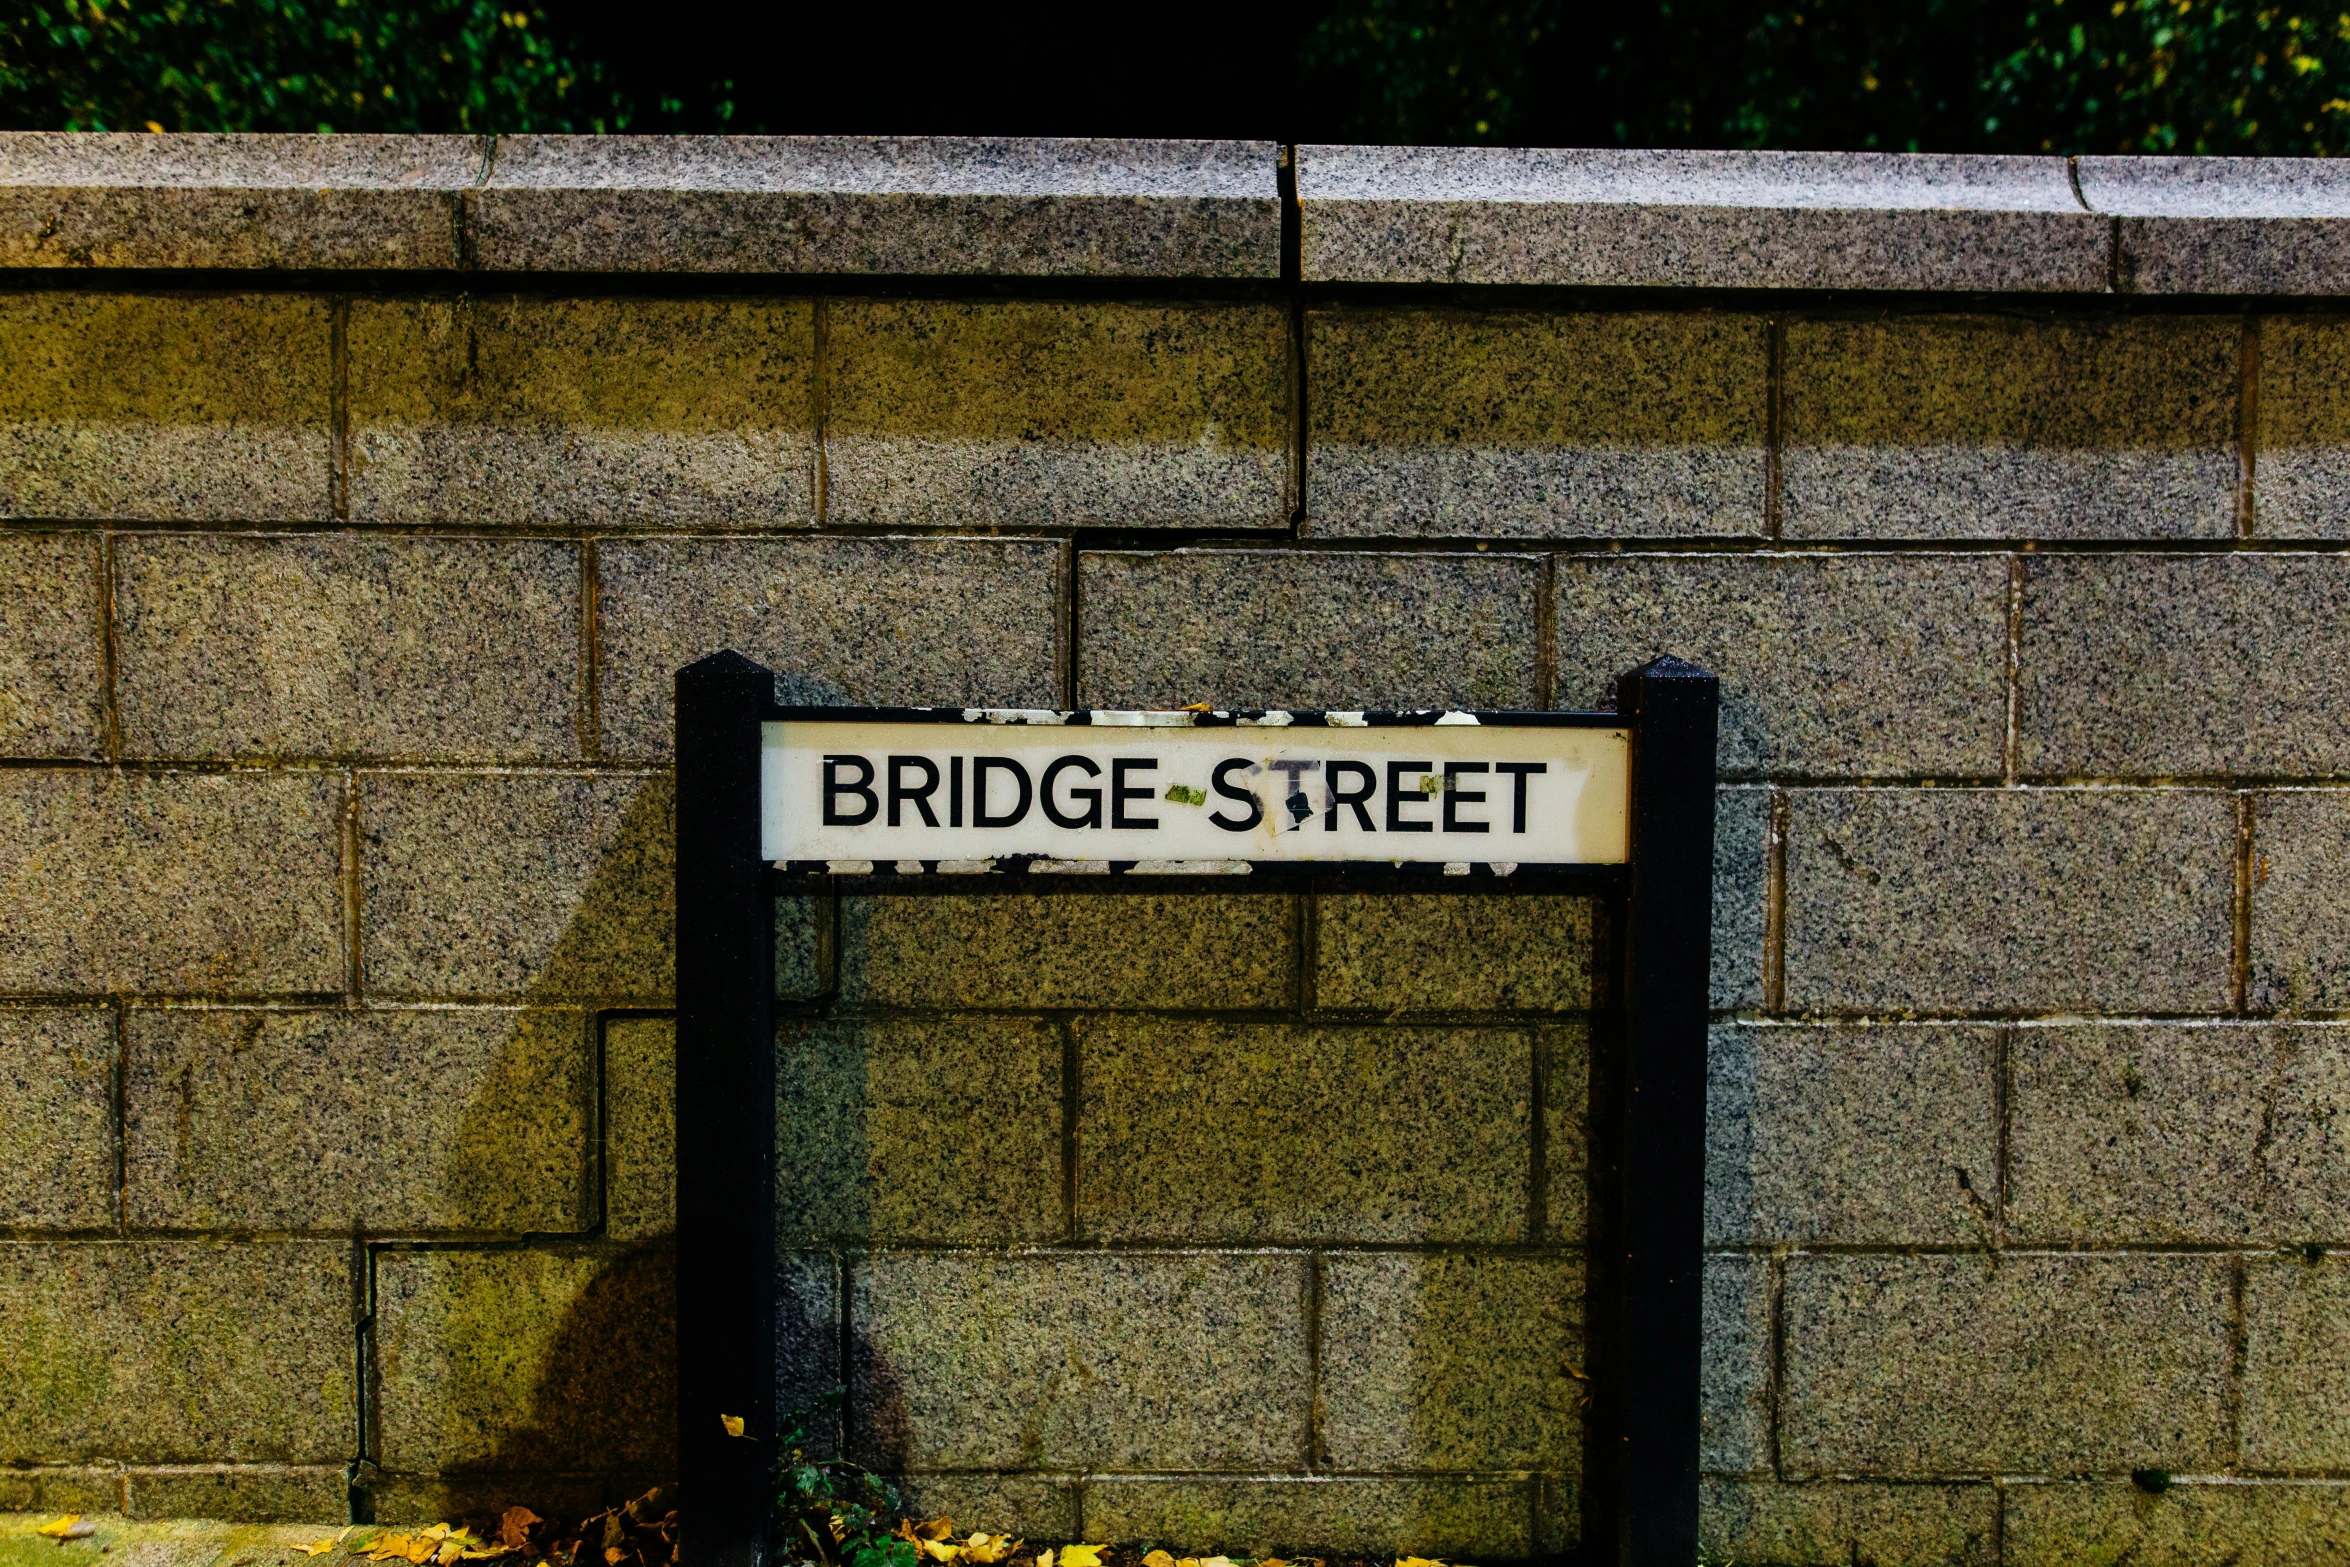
pixel 989 1549
pixel 937 1529
pixel 1158 1559
pixel 1417 1561
pixel 71 1527
pixel 733 1424
pixel 318 1547
pixel 938 1551
pixel 1083 1555
pixel 1271 1561
pixel 1044 1558
pixel 439 1531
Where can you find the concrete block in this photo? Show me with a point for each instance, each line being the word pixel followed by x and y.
pixel 1742 880
pixel 1865 1136
pixel 57 1076
pixel 334 646
pixel 245 1493
pixel 1608 217
pixel 2183 664
pixel 1040 1508
pixel 1190 1132
pixel 177 1351
pixel 2225 1523
pixel 640 1127
pixel 540 1360
pixel 922 205
pixel 1878 665
pixel 1035 413
pixel 1435 423
pixel 1565 1054
pixel 2300 918
pixel 1456 1361
pixel 132 199
pixel 1433 952
pixel 52 657
pixel 2177 1133
pixel 1950 427
pixel 1969 1364
pixel 2296 1348
pixel 2047 899
pixel 1735 1398
pixel 171 882
pixel 342 1121
pixel 534 410
pixel 226 418
pixel 2224 225
pixel 1074 1360
pixel 1829 1523
pixel 1021 951
pixel 867 1147
pixel 54 1491
pixel 536 885
pixel 1442 1516
pixel 931 621
pixel 2301 453
pixel 1281 628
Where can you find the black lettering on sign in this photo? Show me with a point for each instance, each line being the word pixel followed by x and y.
pixel 1452 795
pixel 899 794
pixel 1337 771
pixel 954 791
pixel 1395 798
pixel 1231 791
pixel 1518 799
pixel 1120 792
pixel 1293 799
pixel 981 766
pixel 862 788
pixel 1091 798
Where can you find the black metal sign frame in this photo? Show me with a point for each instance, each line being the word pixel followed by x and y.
pixel 1639 1483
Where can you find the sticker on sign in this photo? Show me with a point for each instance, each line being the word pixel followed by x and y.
pixel 1192 791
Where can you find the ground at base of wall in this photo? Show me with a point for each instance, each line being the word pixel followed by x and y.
pixel 119 1542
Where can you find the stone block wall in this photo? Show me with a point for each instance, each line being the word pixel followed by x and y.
pixel 359 499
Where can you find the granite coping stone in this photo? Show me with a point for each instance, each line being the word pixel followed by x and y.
pixel 2225 225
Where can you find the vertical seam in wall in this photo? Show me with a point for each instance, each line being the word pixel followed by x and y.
pixel 339 405
pixel 353 980
pixel 2248 428
pixel 1314 1360
pixel 2240 909
pixel 122 1115
pixel 1774 423
pixel 1546 677
pixel 1066 609
pixel 590 726
pixel 1998 1521
pixel 2239 1349
pixel 1774 974
pixel 2002 1129
pixel 819 391
pixel 109 703
pixel 843 1279
pixel 1777 1310
pixel 1538 1136
pixel 597 1188
pixel 1292 275
pixel 2011 745
pixel 364 1400
pixel 1071 1086
pixel 1306 937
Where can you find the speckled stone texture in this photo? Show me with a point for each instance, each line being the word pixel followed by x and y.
pixel 1035 1507
pixel 341 1122
pixel 1829 1523
pixel 281 202
pixel 2183 1133
pixel 223 416
pixel 1734 1395
pixel 530 410
pixel 245 1493
pixel 2225 225
pixel 930 621
pixel 1198 1132
pixel 177 883
pixel 1022 952
pixel 2191 1524
pixel 2296 1348
pixel 1876 1136
pixel 640 1127
pixel 1428 952
pixel 2185 665
pixel 1695 219
pixel 1934 1365
pixel 504 1360
pixel 922 205
pixel 51 646
pixel 1013 413
pixel 2054 900
pixel 1953 427
pixel 177 1542
pixel 867 1146
pixel 2301 456
pixel 2300 913
pixel 1830 664
pixel 1189 1362
pixel 57 1088
pixel 545 886
pixel 179 1351
pixel 1442 1516
pixel 1742 826
pixel 39 1495
pixel 1564 1056
pixel 231 646
pixel 1426 423
pixel 1452 1362
pixel 1282 628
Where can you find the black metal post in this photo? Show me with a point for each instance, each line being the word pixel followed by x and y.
pixel 1640 1504
pixel 725 1118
